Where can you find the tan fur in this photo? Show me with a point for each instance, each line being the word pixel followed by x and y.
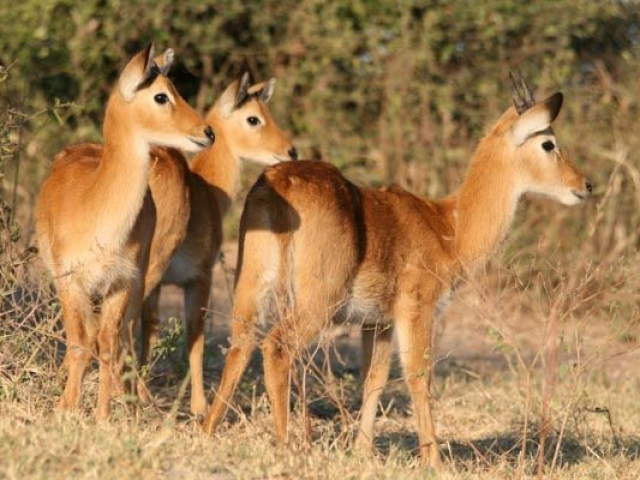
pixel 314 248
pixel 95 218
pixel 212 184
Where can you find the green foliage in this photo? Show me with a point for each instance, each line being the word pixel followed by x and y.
pixel 171 346
pixel 400 79
pixel 7 122
pixel 389 91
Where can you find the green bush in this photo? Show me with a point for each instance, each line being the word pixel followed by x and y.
pixel 389 91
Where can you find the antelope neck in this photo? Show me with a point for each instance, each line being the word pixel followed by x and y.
pixel 120 181
pixel 218 166
pixel 485 205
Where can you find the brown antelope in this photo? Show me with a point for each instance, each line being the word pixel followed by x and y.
pixel 169 184
pixel 245 130
pixel 315 248
pixel 95 218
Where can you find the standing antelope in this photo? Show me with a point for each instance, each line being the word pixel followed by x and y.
pixel 95 218
pixel 315 248
pixel 245 130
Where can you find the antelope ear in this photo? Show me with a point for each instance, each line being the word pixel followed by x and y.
pixel 236 92
pixel 263 91
pixel 267 90
pixel 243 89
pixel 164 61
pixel 140 68
pixel 537 118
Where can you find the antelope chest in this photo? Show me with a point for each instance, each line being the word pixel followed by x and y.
pixel 98 271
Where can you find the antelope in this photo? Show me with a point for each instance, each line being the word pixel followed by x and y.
pixel 315 248
pixel 169 185
pixel 95 218
pixel 245 130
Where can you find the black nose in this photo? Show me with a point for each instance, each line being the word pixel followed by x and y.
pixel 293 153
pixel 209 133
pixel 589 186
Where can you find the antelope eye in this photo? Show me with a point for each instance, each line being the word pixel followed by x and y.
pixel 253 121
pixel 161 98
pixel 548 146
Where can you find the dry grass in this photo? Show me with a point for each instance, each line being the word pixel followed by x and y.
pixel 491 395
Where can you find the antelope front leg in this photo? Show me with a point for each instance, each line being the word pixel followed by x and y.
pixel 414 345
pixel 150 321
pixel 149 328
pixel 196 300
pixel 113 310
pixel 78 345
pixel 133 311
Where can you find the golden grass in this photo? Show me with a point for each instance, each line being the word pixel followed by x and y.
pixel 493 347
pixel 479 420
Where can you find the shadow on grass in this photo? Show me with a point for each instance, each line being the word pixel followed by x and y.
pixel 507 448
pixel 504 448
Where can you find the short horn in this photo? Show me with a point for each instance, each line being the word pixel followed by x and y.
pixel 522 93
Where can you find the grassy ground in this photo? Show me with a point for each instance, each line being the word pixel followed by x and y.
pixel 478 420
pixel 500 377
pixel 540 349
